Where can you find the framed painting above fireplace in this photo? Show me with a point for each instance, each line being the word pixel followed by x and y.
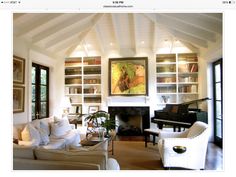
pixel 128 76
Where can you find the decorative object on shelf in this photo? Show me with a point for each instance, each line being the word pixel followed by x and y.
pixel 18 70
pixel 66 104
pixel 18 99
pixel 165 98
pixel 128 76
pixel 93 109
pixel 98 120
pixel 179 149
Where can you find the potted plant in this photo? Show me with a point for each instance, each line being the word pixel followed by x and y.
pixel 101 119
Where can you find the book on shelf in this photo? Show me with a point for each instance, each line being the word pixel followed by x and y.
pixel 193 68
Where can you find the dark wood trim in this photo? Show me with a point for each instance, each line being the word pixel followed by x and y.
pixel 37 88
pixel 217 140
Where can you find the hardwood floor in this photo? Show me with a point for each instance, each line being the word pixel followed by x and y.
pixel 214 158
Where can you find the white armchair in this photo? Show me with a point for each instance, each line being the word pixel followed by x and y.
pixel 195 139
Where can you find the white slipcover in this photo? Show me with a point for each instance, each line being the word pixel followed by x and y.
pixel 195 139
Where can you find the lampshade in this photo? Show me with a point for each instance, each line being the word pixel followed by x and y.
pixel 66 102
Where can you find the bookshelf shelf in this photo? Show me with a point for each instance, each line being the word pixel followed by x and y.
pixel 83 82
pixel 176 78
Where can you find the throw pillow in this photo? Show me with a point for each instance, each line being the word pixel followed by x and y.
pixel 30 133
pixel 43 136
pixel 60 128
pixel 45 126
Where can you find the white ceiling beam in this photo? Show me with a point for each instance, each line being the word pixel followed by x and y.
pixel 17 16
pixel 188 38
pixel 185 28
pixel 199 21
pixel 115 28
pixel 133 27
pixel 154 37
pixel 100 39
pixel 86 50
pixel 68 34
pixel 74 45
pixel 190 46
pixel 42 20
pixel 215 16
pixel 40 50
pixel 61 26
pixel 68 43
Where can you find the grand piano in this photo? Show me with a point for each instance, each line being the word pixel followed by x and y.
pixel 180 115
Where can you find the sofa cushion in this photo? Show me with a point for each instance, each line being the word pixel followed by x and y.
pixel 71 137
pixel 31 134
pixel 23 164
pixel 94 157
pixel 55 144
pixel 23 152
pixel 60 128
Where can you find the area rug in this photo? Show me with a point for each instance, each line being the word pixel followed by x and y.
pixel 132 155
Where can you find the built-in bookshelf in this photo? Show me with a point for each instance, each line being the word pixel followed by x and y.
pixel 176 78
pixel 83 83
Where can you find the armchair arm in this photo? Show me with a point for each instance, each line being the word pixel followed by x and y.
pixel 193 157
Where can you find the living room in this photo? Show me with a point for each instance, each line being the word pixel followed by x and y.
pixel 154 43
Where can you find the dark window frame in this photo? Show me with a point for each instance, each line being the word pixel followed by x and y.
pixel 37 84
pixel 217 140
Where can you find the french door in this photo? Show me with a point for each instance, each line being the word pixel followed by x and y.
pixel 40 91
pixel 218 101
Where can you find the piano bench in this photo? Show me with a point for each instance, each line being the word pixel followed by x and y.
pixel 148 132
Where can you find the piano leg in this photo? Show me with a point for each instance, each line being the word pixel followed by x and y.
pixel 160 125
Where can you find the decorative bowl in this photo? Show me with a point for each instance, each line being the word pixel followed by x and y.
pixel 179 149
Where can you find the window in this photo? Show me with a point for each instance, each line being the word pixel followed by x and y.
pixel 218 102
pixel 40 91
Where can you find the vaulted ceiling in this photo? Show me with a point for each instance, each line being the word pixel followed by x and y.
pixel 60 34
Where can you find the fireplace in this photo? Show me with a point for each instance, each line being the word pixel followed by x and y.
pixel 131 120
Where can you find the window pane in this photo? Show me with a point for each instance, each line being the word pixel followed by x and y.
pixel 218 128
pixel 218 109
pixel 43 93
pixel 33 110
pixel 217 73
pixel 33 73
pixel 43 109
pixel 218 91
pixel 33 92
pixel 43 76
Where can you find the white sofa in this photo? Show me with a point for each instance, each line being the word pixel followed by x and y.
pixel 61 152
pixel 38 158
pixel 195 139
pixel 57 137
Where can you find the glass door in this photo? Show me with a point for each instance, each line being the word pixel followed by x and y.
pixel 218 102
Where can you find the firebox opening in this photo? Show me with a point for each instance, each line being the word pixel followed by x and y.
pixel 129 125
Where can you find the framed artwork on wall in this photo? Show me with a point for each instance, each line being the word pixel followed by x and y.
pixel 128 76
pixel 93 109
pixel 18 70
pixel 18 99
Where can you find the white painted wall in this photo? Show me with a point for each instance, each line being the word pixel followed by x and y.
pixel 56 77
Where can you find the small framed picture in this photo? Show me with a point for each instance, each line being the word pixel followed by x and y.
pixel 18 99
pixel 93 109
pixel 18 70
